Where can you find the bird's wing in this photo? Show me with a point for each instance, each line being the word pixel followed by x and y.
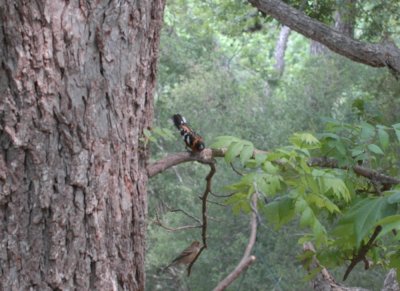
pixel 187 252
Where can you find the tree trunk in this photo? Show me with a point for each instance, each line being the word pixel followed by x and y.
pixel 345 17
pixel 280 49
pixel 76 91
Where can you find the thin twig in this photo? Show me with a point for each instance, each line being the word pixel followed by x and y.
pixel 216 203
pixel 172 229
pixel 360 257
pixel 247 259
pixel 168 228
pixel 204 213
pixel 186 213
pixel 223 196
pixel 235 170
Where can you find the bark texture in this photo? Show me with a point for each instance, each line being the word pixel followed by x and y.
pixel 375 55
pixel 76 85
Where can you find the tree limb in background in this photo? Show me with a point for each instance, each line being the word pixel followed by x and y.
pixel 247 259
pixel 280 49
pixel 385 54
pixel 204 212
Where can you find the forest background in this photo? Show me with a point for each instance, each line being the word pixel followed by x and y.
pixel 233 71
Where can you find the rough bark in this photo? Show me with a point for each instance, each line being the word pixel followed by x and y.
pixel 375 55
pixel 76 85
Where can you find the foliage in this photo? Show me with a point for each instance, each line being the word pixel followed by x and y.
pixel 293 188
pixel 216 68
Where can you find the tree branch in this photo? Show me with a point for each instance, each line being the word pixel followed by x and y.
pixel 376 55
pixel 207 157
pixel 204 212
pixel 362 252
pixel 359 170
pixel 172 229
pixel 324 279
pixel 247 259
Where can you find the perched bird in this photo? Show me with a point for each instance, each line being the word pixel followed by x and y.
pixel 191 138
pixel 187 256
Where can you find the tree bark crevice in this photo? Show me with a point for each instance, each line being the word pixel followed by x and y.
pixel 76 87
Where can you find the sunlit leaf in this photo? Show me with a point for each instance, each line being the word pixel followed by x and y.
pixel 305 140
pixel 280 211
pixel 233 151
pixel 375 149
pixel 223 141
pixel 383 138
pixel 246 153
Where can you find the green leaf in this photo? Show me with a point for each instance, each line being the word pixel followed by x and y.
pixel 146 132
pixel 270 168
pixel 337 185
pixel 396 128
pixel 357 151
pixel 395 260
pixel 394 196
pixel 305 140
pixel 307 217
pixel 322 201
pixel 375 149
pixel 260 158
pixel 383 138
pixel 246 153
pixel 223 141
pixel 388 224
pixel 329 135
pixel 233 151
pixel 367 132
pixel 340 147
pixel 280 211
pixel 364 215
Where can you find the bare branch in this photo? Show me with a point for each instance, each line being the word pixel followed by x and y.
pixel 204 212
pixel 186 213
pixel 235 170
pixel 206 156
pixel 362 252
pixel 247 259
pixel 158 222
pixel 375 55
pixel 223 196
pixel 172 229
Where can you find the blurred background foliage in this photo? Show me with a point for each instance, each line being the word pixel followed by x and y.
pixel 217 69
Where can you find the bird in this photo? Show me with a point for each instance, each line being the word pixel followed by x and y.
pixel 187 256
pixel 192 140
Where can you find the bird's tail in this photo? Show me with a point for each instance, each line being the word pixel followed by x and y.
pixel 179 120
